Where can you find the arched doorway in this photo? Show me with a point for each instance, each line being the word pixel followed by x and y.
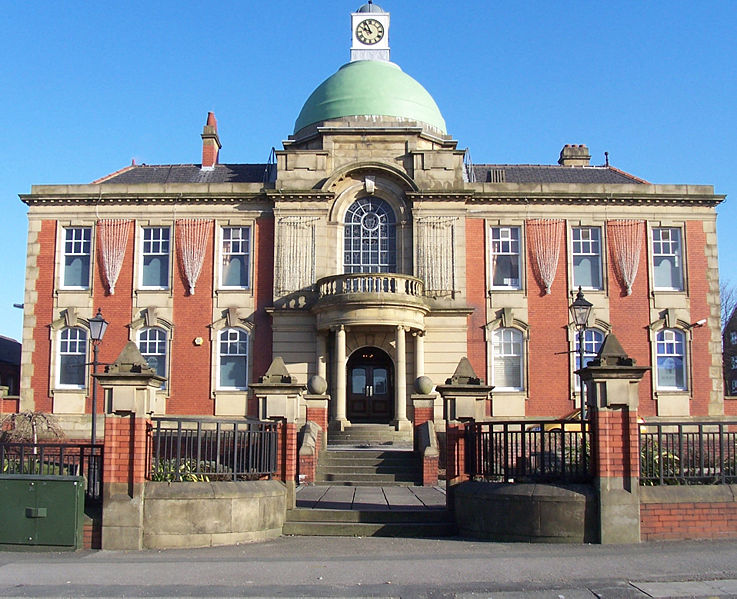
pixel 370 386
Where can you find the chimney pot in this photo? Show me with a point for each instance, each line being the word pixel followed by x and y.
pixel 574 155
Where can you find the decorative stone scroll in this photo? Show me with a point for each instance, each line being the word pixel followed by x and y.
pixel 295 253
pixel 625 244
pixel 192 238
pixel 544 237
pixel 436 253
pixel 112 236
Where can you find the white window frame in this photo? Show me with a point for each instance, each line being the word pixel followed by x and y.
pixel 218 373
pixel 666 250
pixel 519 339
pixel 505 239
pixel 671 337
pixel 60 351
pixel 78 245
pixel 144 345
pixel 247 253
pixel 586 249
pixel 143 253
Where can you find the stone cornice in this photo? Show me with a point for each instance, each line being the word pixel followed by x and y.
pixel 299 195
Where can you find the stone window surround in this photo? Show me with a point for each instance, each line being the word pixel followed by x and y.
pixel 221 224
pixel 667 224
pixel 138 262
pixel 61 227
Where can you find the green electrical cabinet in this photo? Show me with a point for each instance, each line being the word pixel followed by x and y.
pixel 41 511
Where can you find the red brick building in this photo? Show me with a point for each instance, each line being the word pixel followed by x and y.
pixel 371 252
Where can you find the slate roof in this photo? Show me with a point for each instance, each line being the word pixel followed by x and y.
pixel 542 173
pixel 187 173
pixel 255 173
pixel 9 351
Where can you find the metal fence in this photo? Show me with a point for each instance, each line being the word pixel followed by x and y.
pixel 55 459
pixel 207 449
pixel 688 453
pixel 525 451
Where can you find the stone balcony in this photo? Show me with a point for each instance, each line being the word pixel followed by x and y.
pixel 370 299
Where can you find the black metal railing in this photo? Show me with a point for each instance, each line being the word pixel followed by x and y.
pixel 688 453
pixel 55 459
pixel 525 451
pixel 208 449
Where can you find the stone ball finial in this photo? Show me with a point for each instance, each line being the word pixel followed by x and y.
pixel 423 385
pixel 317 385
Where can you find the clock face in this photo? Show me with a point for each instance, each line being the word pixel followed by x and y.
pixel 369 31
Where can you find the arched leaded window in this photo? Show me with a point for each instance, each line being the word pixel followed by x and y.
pixel 370 242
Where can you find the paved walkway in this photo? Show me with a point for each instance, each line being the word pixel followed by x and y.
pixel 371 498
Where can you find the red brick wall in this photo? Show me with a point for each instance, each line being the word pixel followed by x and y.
pixel 671 521
pixel 455 461
pixel 548 360
pixel 476 294
pixel 630 317
pixel 264 296
pixel 287 452
pixel 115 308
pixel 697 290
pixel 44 313
pixel 319 416
pixel 190 380
pixel 422 415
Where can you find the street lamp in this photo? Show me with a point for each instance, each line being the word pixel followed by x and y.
pixel 580 310
pixel 98 326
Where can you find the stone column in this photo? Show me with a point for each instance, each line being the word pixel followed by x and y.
pixel 612 381
pixel 321 369
pixel 419 354
pixel 341 420
pixel 400 391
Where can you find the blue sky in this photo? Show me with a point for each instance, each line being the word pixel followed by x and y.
pixel 86 87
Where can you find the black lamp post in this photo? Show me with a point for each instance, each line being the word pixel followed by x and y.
pixel 98 326
pixel 580 310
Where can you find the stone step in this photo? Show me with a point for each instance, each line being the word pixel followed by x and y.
pixel 328 458
pixel 365 454
pixel 366 483
pixel 370 529
pixel 405 516
pixel 374 479
pixel 361 468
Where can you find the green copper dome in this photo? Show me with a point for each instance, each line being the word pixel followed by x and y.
pixel 370 87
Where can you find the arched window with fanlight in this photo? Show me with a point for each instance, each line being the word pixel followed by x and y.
pixel 370 243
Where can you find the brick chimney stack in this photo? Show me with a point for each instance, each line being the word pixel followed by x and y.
pixel 210 142
pixel 574 155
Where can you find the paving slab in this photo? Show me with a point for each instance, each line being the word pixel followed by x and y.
pixel 431 497
pixel 336 498
pixel 370 498
pixel 691 588
pixel 401 498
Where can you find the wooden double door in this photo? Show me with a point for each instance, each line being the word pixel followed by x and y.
pixel 370 386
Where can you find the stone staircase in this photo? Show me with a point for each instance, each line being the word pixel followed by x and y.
pixel 368 467
pixel 371 436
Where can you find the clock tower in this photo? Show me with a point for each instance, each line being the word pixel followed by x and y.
pixel 370 31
